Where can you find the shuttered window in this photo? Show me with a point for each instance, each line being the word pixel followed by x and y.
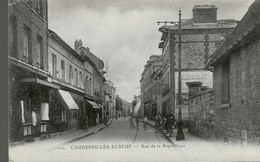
pixel 225 82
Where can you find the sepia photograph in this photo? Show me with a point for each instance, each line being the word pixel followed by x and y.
pixel 133 80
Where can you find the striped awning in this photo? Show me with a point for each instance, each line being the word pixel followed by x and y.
pixel 94 104
pixel 67 98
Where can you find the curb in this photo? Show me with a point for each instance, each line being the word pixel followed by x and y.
pixel 37 139
pixel 167 138
pixel 88 134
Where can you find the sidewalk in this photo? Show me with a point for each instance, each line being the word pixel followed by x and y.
pixel 67 136
pixel 193 141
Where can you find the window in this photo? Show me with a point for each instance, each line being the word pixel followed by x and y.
pixel 63 115
pixel 54 65
pixel 39 8
pixel 29 2
pixel 39 51
pixel 27 130
pixel 90 86
pixel 77 79
pixel 43 127
pixel 62 69
pixel 225 82
pixel 13 36
pixel 27 52
pixel 25 46
pixel 80 81
pixel 26 108
pixel 70 74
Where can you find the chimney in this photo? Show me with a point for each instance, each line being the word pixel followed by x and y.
pixel 194 88
pixel 204 88
pixel 153 57
pixel 205 14
pixel 77 44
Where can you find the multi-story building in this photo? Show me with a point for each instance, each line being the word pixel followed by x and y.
pixel 66 68
pixel 200 37
pixel 110 92
pixel 95 80
pixel 28 69
pixel 237 81
pixel 151 86
pixel 119 106
pixel 126 108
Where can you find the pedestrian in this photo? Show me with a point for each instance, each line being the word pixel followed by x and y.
pixel 171 124
pixel 86 124
pixel 145 122
pixel 34 123
pixel 131 122
pixel 164 127
pixel 167 124
pixel 137 121
pixel 157 121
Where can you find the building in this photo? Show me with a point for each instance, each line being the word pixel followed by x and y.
pixel 78 45
pixel 201 110
pixel 110 92
pixel 119 106
pixel 126 108
pixel 66 68
pixel 237 81
pixel 29 80
pixel 95 80
pixel 151 87
pixel 200 37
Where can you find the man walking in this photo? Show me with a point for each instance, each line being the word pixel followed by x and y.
pixel 131 122
pixel 171 124
pixel 145 122
pixel 137 121
pixel 157 123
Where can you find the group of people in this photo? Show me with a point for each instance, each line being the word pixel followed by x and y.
pixel 132 121
pixel 165 123
pixel 136 118
pixel 162 123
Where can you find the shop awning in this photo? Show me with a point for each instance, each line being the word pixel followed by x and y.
pixel 137 106
pixel 100 106
pixel 94 104
pixel 39 81
pixel 68 99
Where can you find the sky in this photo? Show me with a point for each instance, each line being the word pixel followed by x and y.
pixel 124 33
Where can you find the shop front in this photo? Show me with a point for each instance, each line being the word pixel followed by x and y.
pixel 94 112
pixel 63 111
pixel 29 108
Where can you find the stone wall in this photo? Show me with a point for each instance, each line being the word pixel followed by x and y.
pixel 239 121
pixel 201 110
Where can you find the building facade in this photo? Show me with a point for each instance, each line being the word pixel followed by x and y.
pixel 236 81
pixel 95 82
pixel 151 86
pixel 29 84
pixel 66 68
pixel 110 92
pixel 126 108
pixel 119 106
pixel 200 37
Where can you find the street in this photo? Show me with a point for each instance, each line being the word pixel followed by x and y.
pixel 120 132
pixel 119 142
pixel 116 138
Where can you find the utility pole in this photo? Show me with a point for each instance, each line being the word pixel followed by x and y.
pixel 180 134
